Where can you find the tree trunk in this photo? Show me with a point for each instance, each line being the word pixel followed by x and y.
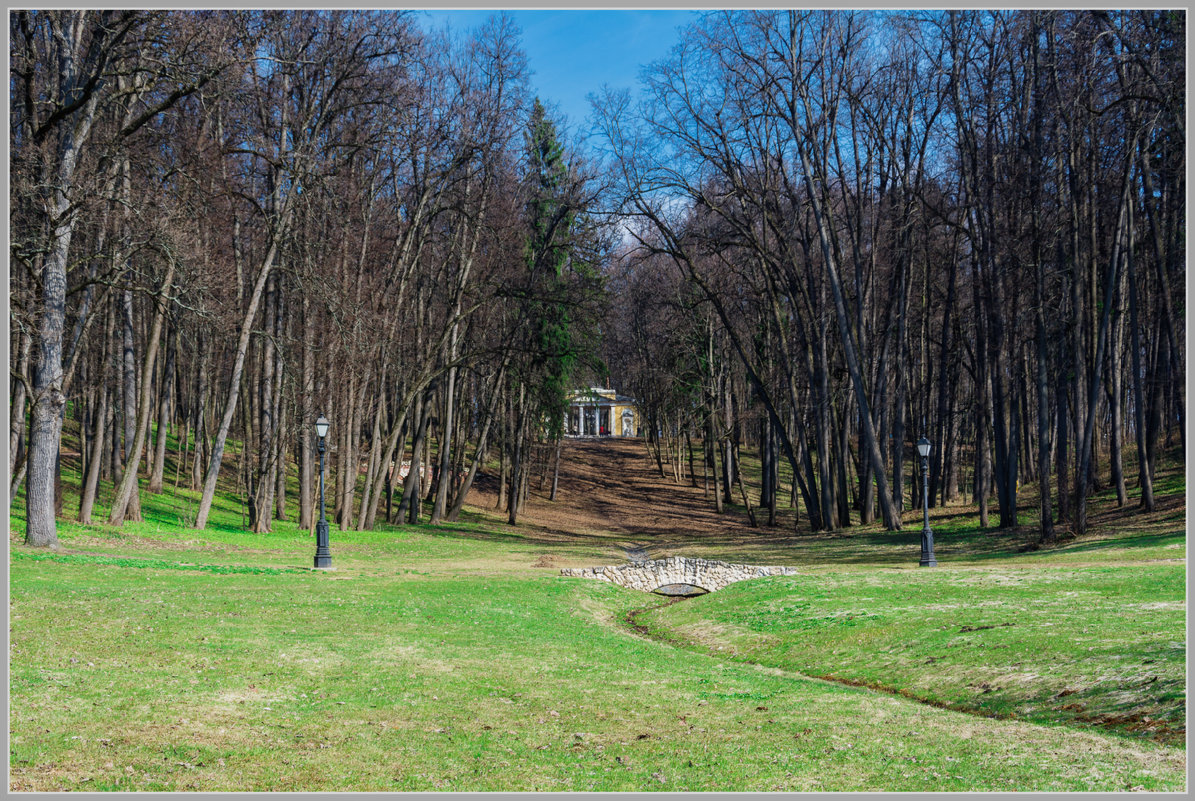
pixel 689 446
pixel 280 454
pixel 868 443
pixel 123 506
pixel 263 476
pixel 504 448
pixel 95 463
pixel 349 461
pixel 982 461
pixel 16 437
pixel 821 399
pixel 729 468
pixel 1093 393
pixel 1144 471
pixel 129 409
pixel 556 470
pixel 410 504
pixel 479 456
pixel 375 468
pixel 1116 400
pixel 164 403
pixel 446 434
pixel 199 419
pixel 1164 257
pixel 842 457
pixel 112 462
pixel 304 442
pixel 946 380
pixel 518 457
pixel 389 474
pixel 773 475
pixel 234 386
pixel 747 502
pixel 45 428
pixel 767 487
pixel 711 457
pixel 1006 424
pixel 1045 513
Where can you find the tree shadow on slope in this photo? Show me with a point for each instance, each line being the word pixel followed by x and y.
pixel 611 494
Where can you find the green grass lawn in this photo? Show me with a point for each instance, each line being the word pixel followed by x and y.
pixel 404 675
pixel 1096 645
pixel 160 658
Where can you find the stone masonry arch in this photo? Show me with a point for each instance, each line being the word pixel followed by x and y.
pixel 676 575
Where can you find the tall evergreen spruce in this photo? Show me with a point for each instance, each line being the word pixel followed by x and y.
pixel 550 218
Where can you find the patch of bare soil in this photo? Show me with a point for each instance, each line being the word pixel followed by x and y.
pixel 613 486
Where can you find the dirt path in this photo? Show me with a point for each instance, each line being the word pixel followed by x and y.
pixel 613 487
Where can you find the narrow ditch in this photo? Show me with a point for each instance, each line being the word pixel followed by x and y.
pixel 629 619
pixel 637 553
pixel 1165 735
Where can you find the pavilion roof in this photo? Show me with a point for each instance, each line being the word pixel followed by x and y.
pixel 599 395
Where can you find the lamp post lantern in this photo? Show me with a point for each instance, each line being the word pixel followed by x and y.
pixel 927 534
pixel 323 556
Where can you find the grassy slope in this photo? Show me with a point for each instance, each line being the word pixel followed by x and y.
pixel 161 658
pixel 1095 644
pixel 1088 632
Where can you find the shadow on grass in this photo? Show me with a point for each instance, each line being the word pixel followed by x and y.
pixel 1128 541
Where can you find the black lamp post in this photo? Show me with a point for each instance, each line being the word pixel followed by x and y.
pixel 323 556
pixel 927 535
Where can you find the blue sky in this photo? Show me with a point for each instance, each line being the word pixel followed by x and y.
pixel 572 53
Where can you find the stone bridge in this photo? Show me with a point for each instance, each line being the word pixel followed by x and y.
pixel 676 575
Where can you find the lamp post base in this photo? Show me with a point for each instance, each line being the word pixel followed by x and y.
pixel 323 556
pixel 927 548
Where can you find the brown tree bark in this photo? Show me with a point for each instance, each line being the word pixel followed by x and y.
pixel 165 402
pixel 305 440
pixel 95 463
pixel 263 480
pixel 518 468
pixel 122 505
pixel 234 386
pixel 71 131
pixel 129 408
pixel 1144 468
pixel 496 391
pixel 16 436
